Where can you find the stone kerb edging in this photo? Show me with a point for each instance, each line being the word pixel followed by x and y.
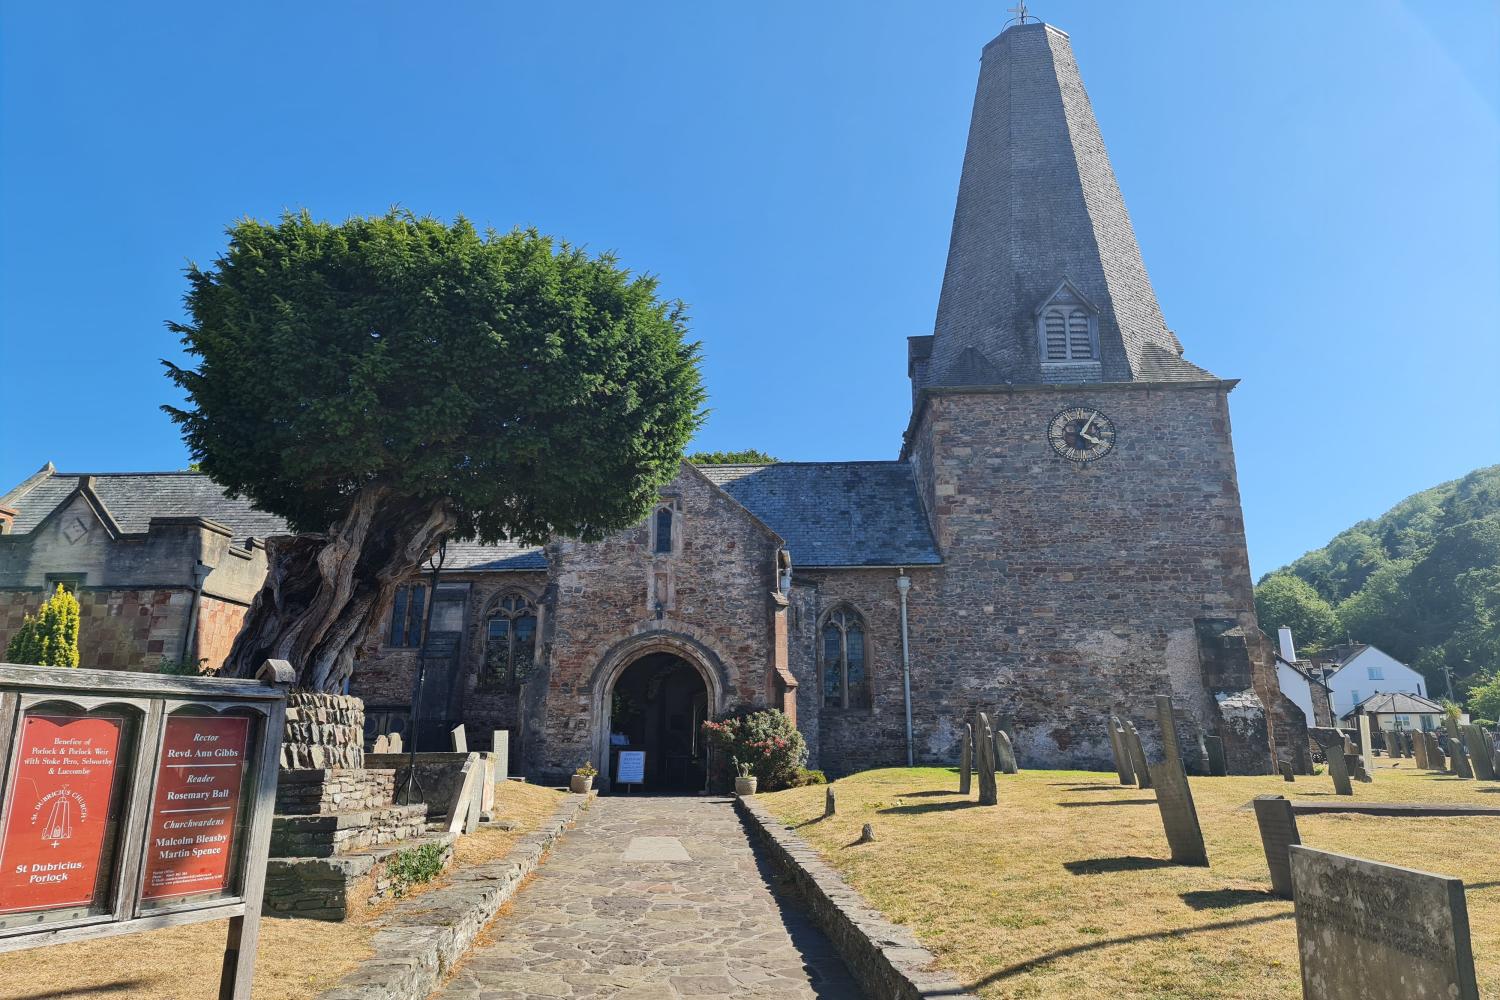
pixel 884 958
pixel 418 942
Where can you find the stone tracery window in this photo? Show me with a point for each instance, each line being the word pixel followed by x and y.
pixel 846 682
pixel 510 639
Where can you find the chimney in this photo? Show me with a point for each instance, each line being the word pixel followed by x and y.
pixel 1284 638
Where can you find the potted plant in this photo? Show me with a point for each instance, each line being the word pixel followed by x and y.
pixel 745 782
pixel 583 779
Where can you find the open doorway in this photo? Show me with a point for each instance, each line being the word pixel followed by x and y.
pixel 658 706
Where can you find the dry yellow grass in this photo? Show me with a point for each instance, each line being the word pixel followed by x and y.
pixel 1062 889
pixel 296 960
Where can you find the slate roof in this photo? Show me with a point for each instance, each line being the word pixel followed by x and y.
pixel 1393 703
pixel 836 513
pixel 134 498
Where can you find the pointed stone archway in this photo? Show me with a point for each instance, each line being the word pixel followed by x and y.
pixel 626 654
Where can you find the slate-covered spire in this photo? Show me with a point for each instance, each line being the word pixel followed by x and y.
pixel 1045 281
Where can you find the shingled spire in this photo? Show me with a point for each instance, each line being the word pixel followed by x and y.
pixel 1045 281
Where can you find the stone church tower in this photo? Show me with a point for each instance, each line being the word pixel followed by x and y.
pixel 1076 469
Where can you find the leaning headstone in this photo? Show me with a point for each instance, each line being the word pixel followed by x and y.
pixel 1137 755
pixel 1479 753
pixel 984 744
pixel 1218 765
pixel 830 802
pixel 1419 751
pixel 1366 745
pixel 1165 721
pixel 396 743
pixel 465 800
pixel 1123 768
pixel 1005 754
pixel 1435 760
pixel 1278 832
pixel 382 744
pixel 500 751
pixel 1456 749
pixel 966 762
pixel 460 739
pixel 1287 774
pixel 1350 947
pixel 1333 749
pixel 1179 817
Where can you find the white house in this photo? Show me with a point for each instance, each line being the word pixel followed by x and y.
pixel 1301 686
pixel 1406 712
pixel 1359 671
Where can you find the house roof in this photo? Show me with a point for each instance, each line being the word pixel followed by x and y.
pixel 1393 703
pixel 132 499
pixel 1304 672
pixel 829 513
pixel 842 514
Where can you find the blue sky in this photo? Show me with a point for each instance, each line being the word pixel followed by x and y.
pixel 1314 189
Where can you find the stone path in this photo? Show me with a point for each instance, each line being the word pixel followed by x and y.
pixel 615 912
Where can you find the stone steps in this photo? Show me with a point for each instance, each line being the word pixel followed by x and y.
pixel 331 834
pixel 335 888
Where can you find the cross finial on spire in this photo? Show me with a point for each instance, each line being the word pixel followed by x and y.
pixel 1020 11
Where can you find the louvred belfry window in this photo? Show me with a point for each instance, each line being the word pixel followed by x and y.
pixel 1066 334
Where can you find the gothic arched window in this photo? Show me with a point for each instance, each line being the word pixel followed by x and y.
pixel 663 544
pixel 846 682
pixel 510 641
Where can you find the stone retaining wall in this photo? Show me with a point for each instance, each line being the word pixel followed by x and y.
pixel 305 793
pixel 339 833
pixel 419 940
pixel 336 888
pixel 885 959
pixel 323 731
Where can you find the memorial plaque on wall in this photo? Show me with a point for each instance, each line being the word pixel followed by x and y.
pixel 193 827
pixel 56 848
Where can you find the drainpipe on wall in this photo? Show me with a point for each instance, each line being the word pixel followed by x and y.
pixel 903 584
pixel 190 640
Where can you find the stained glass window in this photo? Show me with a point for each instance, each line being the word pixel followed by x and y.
pixel 846 683
pixel 511 641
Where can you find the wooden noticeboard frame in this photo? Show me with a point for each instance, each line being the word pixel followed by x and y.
pixel 145 705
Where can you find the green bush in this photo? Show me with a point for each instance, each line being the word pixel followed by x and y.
pixel 413 867
pixel 48 638
pixel 805 777
pixel 764 742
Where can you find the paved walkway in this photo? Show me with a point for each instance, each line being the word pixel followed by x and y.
pixel 653 899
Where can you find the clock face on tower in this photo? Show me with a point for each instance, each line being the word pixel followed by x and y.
pixel 1081 434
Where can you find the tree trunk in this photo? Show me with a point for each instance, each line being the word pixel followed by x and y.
pixel 325 596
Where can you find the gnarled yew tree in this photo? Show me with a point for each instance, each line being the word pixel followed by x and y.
pixel 390 381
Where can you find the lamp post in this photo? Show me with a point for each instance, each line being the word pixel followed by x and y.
pixel 411 788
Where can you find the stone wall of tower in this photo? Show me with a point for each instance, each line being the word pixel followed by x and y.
pixel 1068 590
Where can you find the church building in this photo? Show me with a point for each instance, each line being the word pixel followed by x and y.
pixel 1059 536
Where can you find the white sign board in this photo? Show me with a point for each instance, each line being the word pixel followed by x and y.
pixel 631 769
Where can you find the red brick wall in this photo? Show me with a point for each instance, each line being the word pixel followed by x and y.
pixel 218 623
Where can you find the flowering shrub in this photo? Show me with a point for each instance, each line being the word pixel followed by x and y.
pixel 764 742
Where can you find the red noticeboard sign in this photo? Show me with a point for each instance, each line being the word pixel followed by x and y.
pixel 198 784
pixel 60 791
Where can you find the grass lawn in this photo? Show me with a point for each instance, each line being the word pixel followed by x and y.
pixel 296 960
pixel 1063 890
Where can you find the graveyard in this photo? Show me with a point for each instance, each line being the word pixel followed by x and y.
pixel 1065 888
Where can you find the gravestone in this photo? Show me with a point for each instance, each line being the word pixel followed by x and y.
pixel 830 802
pixel 396 743
pixel 500 751
pixel 1479 753
pixel 460 739
pixel 1123 767
pixel 984 744
pixel 1174 797
pixel 966 762
pixel 1419 751
pixel 1286 770
pixel 1218 766
pixel 1278 832
pixel 1435 760
pixel 867 834
pixel 1456 749
pixel 1355 764
pixel 1366 746
pixel 382 744
pixel 1137 755
pixel 1333 749
pixel 1005 754
pixel 1352 949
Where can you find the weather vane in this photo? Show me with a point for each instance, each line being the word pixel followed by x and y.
pixel 1020 11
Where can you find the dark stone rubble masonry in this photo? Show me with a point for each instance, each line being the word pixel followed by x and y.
pixel 342 886
pixel 1067 589
pixel 885 958
pixel 418 941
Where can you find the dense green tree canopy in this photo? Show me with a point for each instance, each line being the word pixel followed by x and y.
pixel 1286 601
pixel 750 456
pixel 392 381
pixel 1422 581
pixel 539 390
